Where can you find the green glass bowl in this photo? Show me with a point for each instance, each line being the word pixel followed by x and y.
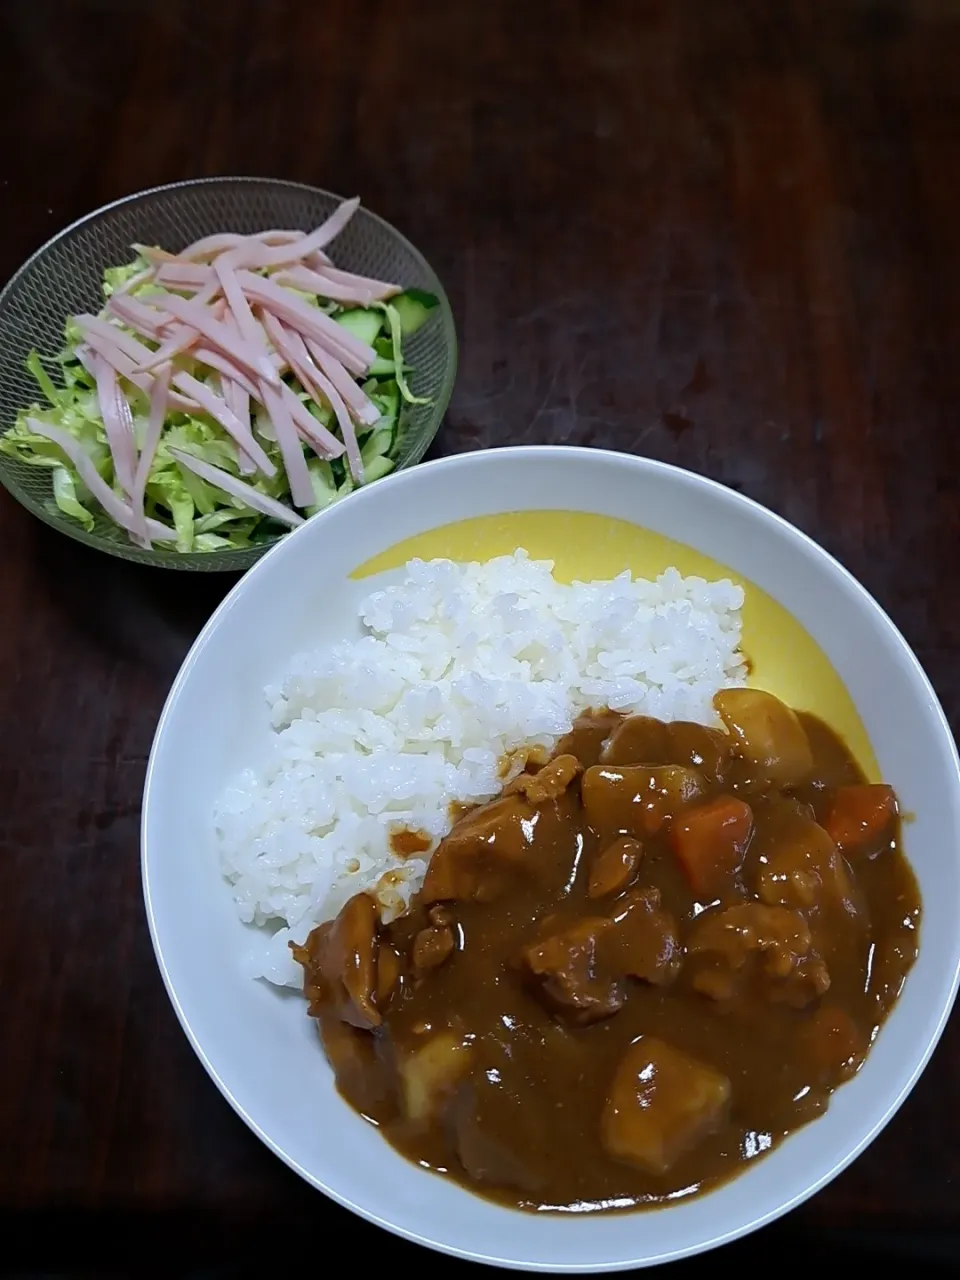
pixel 64 277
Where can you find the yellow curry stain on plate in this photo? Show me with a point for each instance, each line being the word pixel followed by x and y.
pixel 784 657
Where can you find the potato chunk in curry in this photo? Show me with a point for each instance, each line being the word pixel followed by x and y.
pixel 768 736
pixel 661 1103
pixel 638 800
pixel 430 1074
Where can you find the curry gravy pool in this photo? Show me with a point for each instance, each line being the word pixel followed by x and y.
pixel 651 960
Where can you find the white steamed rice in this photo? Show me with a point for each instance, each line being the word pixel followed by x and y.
pixel 461 664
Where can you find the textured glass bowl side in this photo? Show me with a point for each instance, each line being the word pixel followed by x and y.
pixel 64 277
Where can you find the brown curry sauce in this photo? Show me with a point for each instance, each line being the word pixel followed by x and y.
pixel 639 969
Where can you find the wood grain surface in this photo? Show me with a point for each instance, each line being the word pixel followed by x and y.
pixel 722 233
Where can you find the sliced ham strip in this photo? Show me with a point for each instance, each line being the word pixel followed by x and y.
pixel 183 275
pixel 220 411
pixel 291 344
pixel 119 362
pixel 357 356
pixel 317 260
pixel 260 256
pixel 288 441
pixel 116 508
pixel 241 402
pixel 135 315
pixel 243 320
pixel 282 340
pixel 155 255
pixel 119 438
pixel 200 317
pixel 158 411
pixel 210 246
pixel 338 286
pixel 241 407
pixel 330 228
pixel 127 369
pixel 93 326
pixel 237 488
pixel 229 389
pixel 322 389
pixel 144 359
pixel 346 429
pixel 216 360
pixel 193 313
pixel 383 288
pixel 129 432
pixel 139 533
pixel 354 396
pixel 181 338
pixel 238 397
pixel 87 357
pixel 324 442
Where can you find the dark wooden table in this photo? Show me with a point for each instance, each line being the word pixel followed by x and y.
pixel 724 234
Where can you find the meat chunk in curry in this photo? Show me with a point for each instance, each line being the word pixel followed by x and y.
pixel 567 972
pixel 652 958
pixel 486 854
pixel 614 867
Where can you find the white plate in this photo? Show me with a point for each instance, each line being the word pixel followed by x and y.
pixel 258 1045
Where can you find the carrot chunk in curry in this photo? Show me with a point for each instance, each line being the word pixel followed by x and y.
pixel 710 841
pixel 861 818
pixel 649 961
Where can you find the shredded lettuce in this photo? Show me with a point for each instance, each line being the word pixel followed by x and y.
pixel 116 277
pixel 204 517
pixel 35 366
pixel 65 496
pixel 396 340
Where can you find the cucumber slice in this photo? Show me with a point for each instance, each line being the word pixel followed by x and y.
pixel 383 367
pixel 324 485
pixel 377 468
pixel 320 412
pixel 363 324
pixel 413 306
pixel 388 398
pixel 377 445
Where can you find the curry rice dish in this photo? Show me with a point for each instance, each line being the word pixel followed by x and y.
pixel 572 958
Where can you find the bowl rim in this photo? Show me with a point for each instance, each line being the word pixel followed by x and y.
pixel 241 559
pixel 881 619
